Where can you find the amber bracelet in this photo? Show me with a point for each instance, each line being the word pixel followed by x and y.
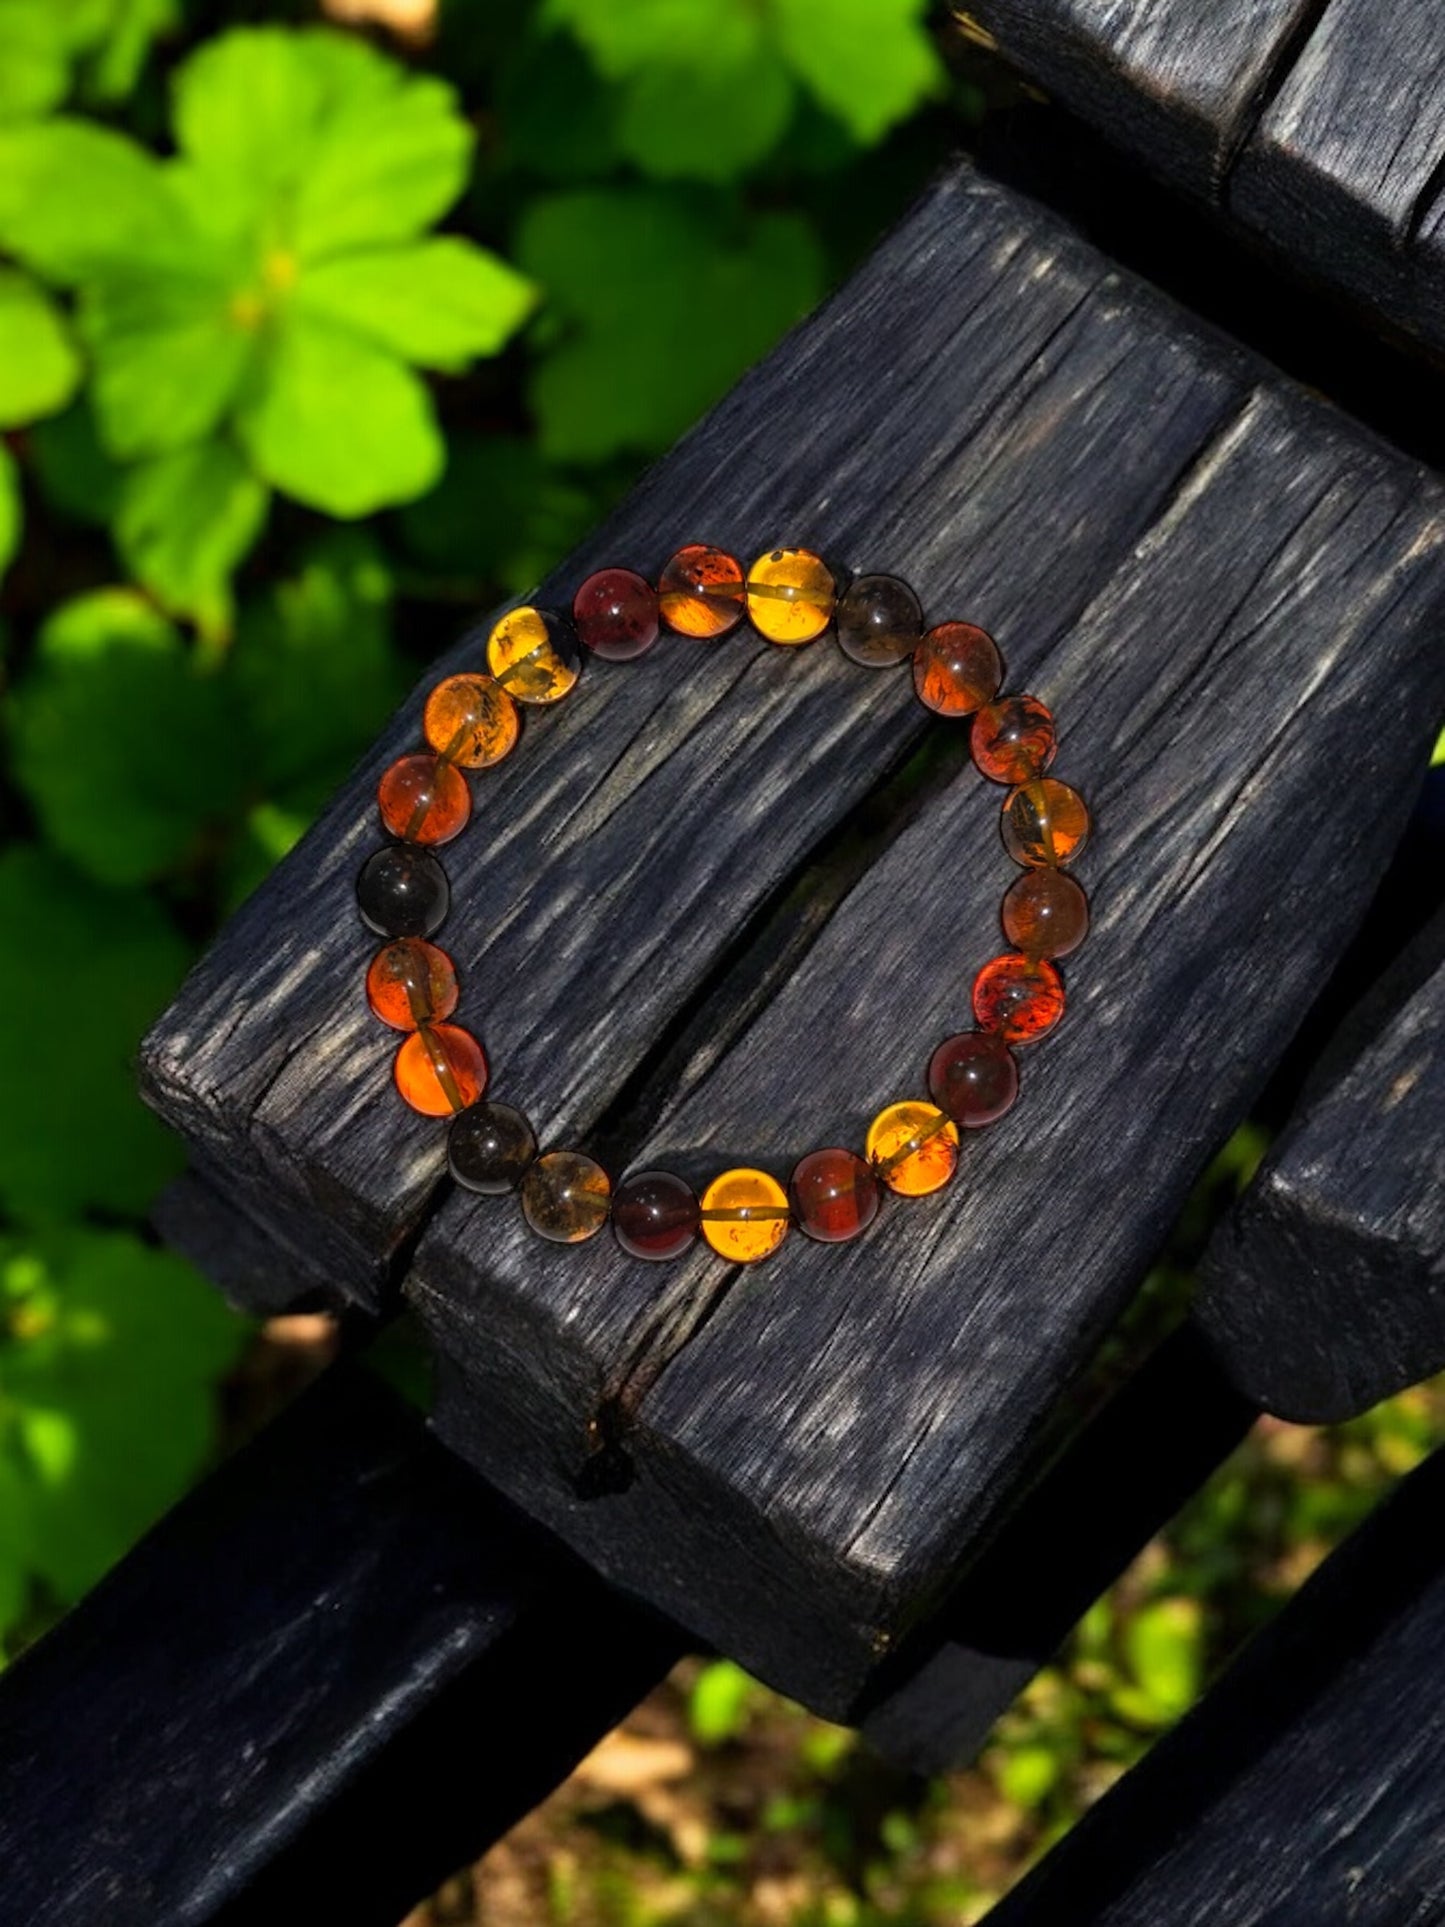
pixel 471 722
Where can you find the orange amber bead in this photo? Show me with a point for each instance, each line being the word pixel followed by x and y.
pixel 1045 913
pixel 534 655
pixel 1013 740
pixel 701 592
pixel 956 669
pixel 744 1215
pixel 410 983
pixel 1021 998
pixel 471 720
pixel 1044 822
pixel 440 1069
pixel 791 593
pixel 424 799
pixel 913 1148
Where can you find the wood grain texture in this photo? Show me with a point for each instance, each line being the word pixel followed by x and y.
pixel 1345 169
pixel 1174 82
pixel 1325 1289
pixel 1309 1784
pixel 818 1448
pixel 258 1715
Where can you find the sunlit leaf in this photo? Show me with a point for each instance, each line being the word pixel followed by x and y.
pixel 439 303
pixel 34 58
pixel 721 1701
pixel 77 199
pixel 1163 1643
pixel 870 62
pixel 39 367
pixel 11 513
pixel 185 521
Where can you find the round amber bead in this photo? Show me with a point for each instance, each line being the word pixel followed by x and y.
pixel 834 1194
pixel 533 655
pixel 654 1215
pixel 439 1069
pixel 565 1197
pixel 1044 822
pixel 913 1148
pixel 411 983
pixel 745 1215
pixel 956 669
pixel 1045 913
pixel 701 592
pixel 471 720
pixel 791 594
pixel 973 1077
pixel 879 621
pixel 1013 740
pixel 402 892
pixel 1021 998
pixel 489 1147
pixel 424 799
pixel 615 613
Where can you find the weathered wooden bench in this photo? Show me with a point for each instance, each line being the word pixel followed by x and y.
pixel 722 908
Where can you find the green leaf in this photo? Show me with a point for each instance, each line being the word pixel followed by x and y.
pixel 249 105
pixel 34 58
pixel 666 308
pixel 76 476
pixel 721 1702
pixel 339 424
pixel 707 122
pixel 185 522
pixel 1163 1645
pixel 1027 1775
pixel 115 65
pixel 870 62
pixel 39 368
pixel 76 199
pixel 12 515
pixel 83 971
pixel 113 1396
pixel 128 751
pixel 624 39
pixel 554 118
pixel 499 517
pixel 438 303
pixel 1438 755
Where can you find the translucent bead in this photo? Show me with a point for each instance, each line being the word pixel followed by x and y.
pixel 834 1194
pixel 654 1215
pixel 1013 740
pixel 956 669
pixel 701 592
pixel 913 1148
pixel 745 1215
pixel 410 983
pixel 791 593
pixel 403 892
pixel 565 1197
pixel 1045 913
pixel 1044 822
pixel 439 1069
pixel 489 1147
pixel 471 720
pixel 615 613
pixel 533 654
pixel 1021 998
pixel 424 799
pixel 973 1077
pixel 879 620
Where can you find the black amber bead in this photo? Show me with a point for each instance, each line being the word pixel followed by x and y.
pixel 489 1148
pixel 879 620
pixel 403 892
pixel 654 1215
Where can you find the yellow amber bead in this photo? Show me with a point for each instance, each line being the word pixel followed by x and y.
pixel 534 655
pixel 471 720
pixel 913 1147
pixel 745 1215
pixel 791 594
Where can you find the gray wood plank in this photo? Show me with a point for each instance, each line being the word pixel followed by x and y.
pixel 1325 1289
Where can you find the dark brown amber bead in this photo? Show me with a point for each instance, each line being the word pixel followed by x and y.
pixel 489 1147
pixel 879 620
pixel 834 1195
pixel 410 983
pixel 1044 822
pixel 654 1215
pixel 1021 998
pixel 402 892
pixel 1045 913
pixel 956 669
pixel 424 799
pixel 439 1069
pixel 701 592
pixel 615 614
pixel 471 720
pixel 973 1077
pixel 565 1197
pixel 1012 740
